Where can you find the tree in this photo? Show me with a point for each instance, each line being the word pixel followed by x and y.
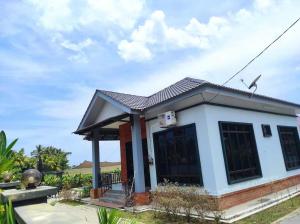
pixel 6 153
pixel 22 162
pixel 50 158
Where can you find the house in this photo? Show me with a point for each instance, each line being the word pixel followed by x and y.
pixel 235 145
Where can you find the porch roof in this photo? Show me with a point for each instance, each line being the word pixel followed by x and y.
pixel 102 133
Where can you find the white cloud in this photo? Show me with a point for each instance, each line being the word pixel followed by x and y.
pixel 55 14
pixel 263 4
pixel 250 32
pixel 122 13
pixel 156 36
pixel 78 49
pixel 134 51
pixel 67 15
pixel 61 19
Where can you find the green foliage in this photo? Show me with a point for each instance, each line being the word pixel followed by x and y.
pixel 108 218
pixel 6 153
pixel 7 215
pixel 76 180
pixel 21 163
pixel 50 158
pixel 68 181
pixel 112 217
pixel 86 191
pixel 52 180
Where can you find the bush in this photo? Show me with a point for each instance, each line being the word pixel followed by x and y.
pixel 52 180
pixel 166 198
pixel 68 181
pixel 76 180
pixel 173 199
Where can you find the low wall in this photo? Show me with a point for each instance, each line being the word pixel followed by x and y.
pixel 238 197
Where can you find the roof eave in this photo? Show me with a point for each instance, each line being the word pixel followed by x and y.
pixel 227 89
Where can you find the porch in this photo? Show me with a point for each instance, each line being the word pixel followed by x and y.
pixel 134 181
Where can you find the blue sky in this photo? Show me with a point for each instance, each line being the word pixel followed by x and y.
pixel 55 53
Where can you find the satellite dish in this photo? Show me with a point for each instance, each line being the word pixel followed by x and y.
pixel 253 84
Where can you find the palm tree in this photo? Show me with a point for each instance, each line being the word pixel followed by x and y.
pixel 6 153
pixel 50 158
pixel 38 156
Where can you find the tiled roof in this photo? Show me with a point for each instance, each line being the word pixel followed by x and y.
pixel 174 90
pixel 141 102
pixel 183 86
pixel 128 100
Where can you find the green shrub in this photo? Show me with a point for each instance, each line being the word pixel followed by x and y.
pixel 87 180
pixel 68 181
pixel 7 215
pixel 76 180
pixel 52 180
pixel 86 192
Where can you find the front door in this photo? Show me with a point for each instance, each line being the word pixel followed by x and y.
pixel 129 161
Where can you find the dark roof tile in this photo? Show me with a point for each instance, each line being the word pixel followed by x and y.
pixel 141 102
pixel 187 84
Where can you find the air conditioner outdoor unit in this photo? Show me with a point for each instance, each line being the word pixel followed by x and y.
pixel 167 119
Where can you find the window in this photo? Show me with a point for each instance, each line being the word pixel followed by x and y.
pixel 240 152
pixel 177 156
pixel 290 145
pixel 266 129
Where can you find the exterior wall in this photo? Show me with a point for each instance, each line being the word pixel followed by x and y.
pixel 195 115
pixel 206 118
pixel 107 111
pixel 269 149
pixel 125 136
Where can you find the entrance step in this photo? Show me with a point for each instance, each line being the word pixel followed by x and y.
pixel 114 197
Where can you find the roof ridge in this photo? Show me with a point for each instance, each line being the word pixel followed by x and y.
pixel 196 80
pixel 103 90
pixel 169 86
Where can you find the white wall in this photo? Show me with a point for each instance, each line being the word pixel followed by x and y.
pixel 269 149
pixel 206 118
pixel 195 115
pixel 108 111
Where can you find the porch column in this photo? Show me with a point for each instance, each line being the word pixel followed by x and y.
pixel 96 167
pixel 137 153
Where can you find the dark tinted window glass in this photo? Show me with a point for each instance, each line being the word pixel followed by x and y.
pixel 240 152
pixel 177 156
pixel 266 130
pixel 289 139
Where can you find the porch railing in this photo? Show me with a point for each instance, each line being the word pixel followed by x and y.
pixel 108 179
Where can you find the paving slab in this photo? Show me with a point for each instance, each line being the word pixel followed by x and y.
pixel 292 218
pixel 58 214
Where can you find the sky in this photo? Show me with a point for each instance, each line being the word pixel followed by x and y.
pixel 55 53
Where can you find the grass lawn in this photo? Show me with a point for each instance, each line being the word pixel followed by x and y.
pixel 89 170
pixel 272 214
pixel 265 217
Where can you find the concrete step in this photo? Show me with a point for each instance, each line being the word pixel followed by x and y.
pixel 114 196
pixel 115 192
pixel 113 201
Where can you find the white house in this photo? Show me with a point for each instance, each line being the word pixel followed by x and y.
pixel 235 146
